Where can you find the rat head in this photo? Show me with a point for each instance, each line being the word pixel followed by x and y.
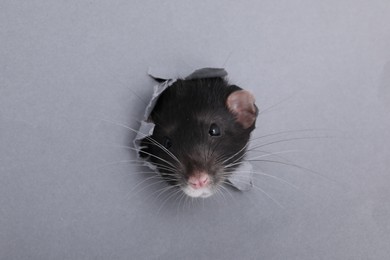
pixel 201 132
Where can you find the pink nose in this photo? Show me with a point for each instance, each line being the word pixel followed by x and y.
pixel 199 180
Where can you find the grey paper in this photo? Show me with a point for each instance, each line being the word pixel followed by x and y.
pixel 70 190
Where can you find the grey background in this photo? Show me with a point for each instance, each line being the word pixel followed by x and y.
pixel 69 66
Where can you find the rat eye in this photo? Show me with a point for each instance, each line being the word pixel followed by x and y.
pixel 167 142
pixel 214 130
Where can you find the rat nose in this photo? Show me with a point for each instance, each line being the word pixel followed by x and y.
pixel 199 180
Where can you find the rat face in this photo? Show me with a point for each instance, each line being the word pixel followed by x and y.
pixel 202 128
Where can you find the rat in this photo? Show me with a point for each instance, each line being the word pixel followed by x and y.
pixel 202 129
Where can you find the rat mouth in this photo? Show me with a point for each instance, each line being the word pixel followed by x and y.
pixel 197 193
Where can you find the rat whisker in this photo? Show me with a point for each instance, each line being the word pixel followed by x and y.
pixel 134 162
pixel 143 181
pixel 154 142
pixel 135 94
pixel 144 135
pixel 237 161
pixel 215 148
pixel 138 162
pixel 148 172
pixel 275 155
pixel 242 149
pixel 154 156
pixel 118 124
pixel 151 184
pixel 299 167
pixel 290 139
pixel 162 191
pixel 277 104
pixel 164 149
pixel 161 167
pixel 178 199
pixel 265 155
pixel 181 198
pixel 218 191
pixel 261 173
pixel 291 132
pixel 134 191
pixel 189 201
pixel 221 187
pixel 166 200
pixel 266 194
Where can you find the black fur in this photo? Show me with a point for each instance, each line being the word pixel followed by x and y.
pixel 183 115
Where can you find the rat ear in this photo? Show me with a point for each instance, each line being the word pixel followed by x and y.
pixel 241 104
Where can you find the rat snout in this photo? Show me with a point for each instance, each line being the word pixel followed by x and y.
pixel 199 185
pixel 199 180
